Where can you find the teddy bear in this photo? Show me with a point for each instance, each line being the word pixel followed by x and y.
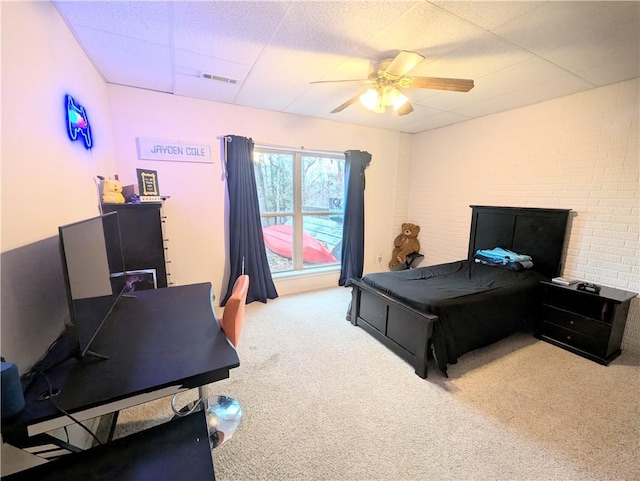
pixel 112 192
pixel 405 244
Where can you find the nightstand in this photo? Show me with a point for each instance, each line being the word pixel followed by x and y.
pixel 588 324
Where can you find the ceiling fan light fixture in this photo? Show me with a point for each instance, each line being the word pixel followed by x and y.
pixel 398 99
pixel 389 76
pixel 372 101
pixel 377 100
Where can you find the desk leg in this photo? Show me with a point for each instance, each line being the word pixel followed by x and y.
pixel 49 447
pixel 112 427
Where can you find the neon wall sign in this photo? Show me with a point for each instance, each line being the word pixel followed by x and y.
pixel 78 126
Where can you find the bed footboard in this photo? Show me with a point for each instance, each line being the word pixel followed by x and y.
pixel 406 331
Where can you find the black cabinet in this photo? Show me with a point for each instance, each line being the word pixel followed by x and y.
pixel 588 324
pixel 142 237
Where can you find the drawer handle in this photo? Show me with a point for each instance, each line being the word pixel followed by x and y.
pixel 568 338
pixel 571 322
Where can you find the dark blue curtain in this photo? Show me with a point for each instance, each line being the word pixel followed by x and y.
pixel 246 244
pixel 353 233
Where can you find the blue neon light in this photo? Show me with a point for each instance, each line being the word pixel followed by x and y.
pixel 77 122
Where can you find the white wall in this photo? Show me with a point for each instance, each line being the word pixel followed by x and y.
pixel 47 180
pixel 196 209
pixel 578 152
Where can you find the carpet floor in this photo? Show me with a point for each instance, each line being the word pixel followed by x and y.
pixel 323 400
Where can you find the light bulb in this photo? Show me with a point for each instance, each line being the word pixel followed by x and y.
pixel 393 96
pixel 371 100
pixel 399 101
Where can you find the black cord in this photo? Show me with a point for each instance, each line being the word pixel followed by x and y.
pixel 27 378
pixel 65 412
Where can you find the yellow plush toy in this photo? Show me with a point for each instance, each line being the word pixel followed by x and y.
pixel 405 244
pixel 112 192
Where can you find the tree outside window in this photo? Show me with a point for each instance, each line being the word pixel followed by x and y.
pixel 301 207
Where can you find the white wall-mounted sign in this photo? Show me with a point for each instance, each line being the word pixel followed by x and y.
pixel 173 150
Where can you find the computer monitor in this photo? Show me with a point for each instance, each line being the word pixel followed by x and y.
pixel 93 268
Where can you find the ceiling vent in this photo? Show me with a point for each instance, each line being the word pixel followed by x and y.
pixel 219 78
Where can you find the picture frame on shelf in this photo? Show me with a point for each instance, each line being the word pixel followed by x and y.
pixel 148 182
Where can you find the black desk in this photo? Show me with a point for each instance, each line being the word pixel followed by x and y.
pixel 178 449
pixel 159 342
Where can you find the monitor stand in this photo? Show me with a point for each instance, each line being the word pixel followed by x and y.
pixel 94 356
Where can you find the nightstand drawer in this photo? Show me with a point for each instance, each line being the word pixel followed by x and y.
pixel 575 339
pixel 576 322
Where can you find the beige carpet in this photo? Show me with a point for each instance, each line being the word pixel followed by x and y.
pixel 325 401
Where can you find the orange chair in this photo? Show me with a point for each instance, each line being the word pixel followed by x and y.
pixel 223 413
pixel 233 314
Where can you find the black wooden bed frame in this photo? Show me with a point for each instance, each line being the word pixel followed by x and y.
pixel 408 332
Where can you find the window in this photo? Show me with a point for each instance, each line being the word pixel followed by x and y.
pixel 300 196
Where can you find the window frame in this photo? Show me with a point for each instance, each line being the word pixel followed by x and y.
pixel 298 214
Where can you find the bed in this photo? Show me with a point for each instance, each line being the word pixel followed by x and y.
pixel 447 310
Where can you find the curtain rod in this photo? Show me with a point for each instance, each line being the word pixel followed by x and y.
pixel 300 149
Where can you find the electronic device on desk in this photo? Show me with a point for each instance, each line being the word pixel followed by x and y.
pixel 588 287
pixel 94 274
pixel 132 195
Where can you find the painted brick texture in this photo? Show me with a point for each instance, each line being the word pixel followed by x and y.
pixel 579 152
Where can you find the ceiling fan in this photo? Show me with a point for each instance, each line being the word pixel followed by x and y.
pixel 387 78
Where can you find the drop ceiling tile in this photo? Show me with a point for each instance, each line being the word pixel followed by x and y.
pixel 510 50
pixel 610 72
pixel 357 114
pixel 149 21
pixel 446 101
pixel 488 16
pixel 487 53
pixel 195 64
pixel 471 61
pixel 599 49
pixel 524 74
pixel 234 31
pixel 322 99
pixel 196 87
pixel 532 71
pixel 125 61
pixel 361 116
pixel 528 95
pixel 566 24
pixel 425 29
pixel 281 76
pixel 441 119
pixel 340 27
pixel 349 69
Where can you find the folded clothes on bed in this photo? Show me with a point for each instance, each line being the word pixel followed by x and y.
pixel 514 266
pixel 500 255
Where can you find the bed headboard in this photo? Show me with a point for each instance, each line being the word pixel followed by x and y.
pixel 538 233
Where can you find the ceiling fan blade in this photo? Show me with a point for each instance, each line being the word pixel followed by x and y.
pixel 364 80
pixel 403 62
pixel 344 105
pixel 455 84
pixel 407 108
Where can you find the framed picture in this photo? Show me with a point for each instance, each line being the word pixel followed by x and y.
pixel 147 182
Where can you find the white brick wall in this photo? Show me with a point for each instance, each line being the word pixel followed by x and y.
pixel 402 191
pixel 579 152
